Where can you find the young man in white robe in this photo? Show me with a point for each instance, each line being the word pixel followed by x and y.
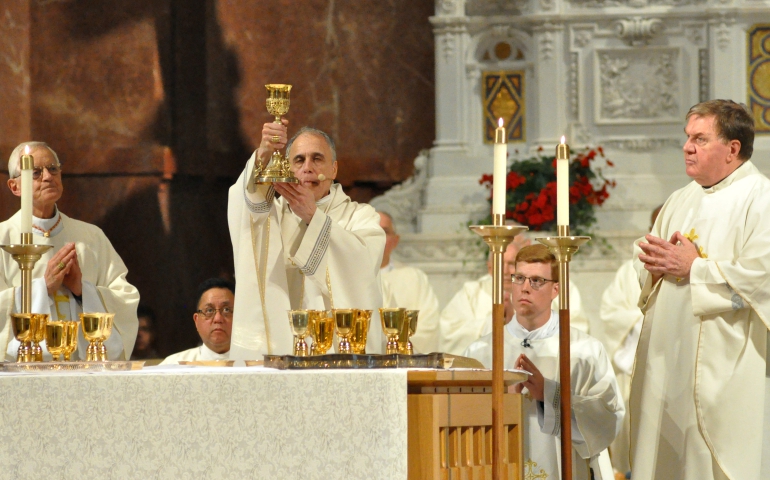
pixel 531 338
pixel 81 273
pixel 214 322
pixel 698 387
pixel 312 248
pixel 404 286
pixel 466 317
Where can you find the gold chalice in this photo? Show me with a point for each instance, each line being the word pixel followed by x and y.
pixel 39 321
pixel 360 330
pixel 407 330
pixel 392 323
pixel 23 330
pixel 97 328
pixel 277 169
pixel 56 338
pixel 72 339
pixel 344 319
pixel 298 320
pixel 321 323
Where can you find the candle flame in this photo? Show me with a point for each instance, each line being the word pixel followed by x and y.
pixel 500 122
pixel 562 139
pixel 26 149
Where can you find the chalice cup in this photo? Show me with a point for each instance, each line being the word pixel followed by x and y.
pixel 298 320
pixel 23 331
pixel 360 330
pixel 277 169
pixel 72 339
pixel 344 319
pixel 39 321
pixel 56 338
pixel 97 328
pixel 321 331
pixel 392 322
pixel 408 329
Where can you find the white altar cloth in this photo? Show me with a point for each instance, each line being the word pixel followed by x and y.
pixel 205 422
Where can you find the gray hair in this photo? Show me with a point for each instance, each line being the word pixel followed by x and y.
pixel 13 162
pixel 318 133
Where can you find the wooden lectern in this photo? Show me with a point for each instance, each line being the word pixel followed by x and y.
pixel 450 425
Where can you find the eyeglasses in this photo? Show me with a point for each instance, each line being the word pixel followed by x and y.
pixel 536 282
pixel 209 312
pixel 54 169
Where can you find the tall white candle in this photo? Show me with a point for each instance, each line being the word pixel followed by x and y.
pixel 27 164
pixel 500 167
pixel 562 183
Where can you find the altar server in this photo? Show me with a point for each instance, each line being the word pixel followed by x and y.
pixel 698 387
pixel 311 248
pixel 466 317
pixel 408 287
pixel 213 320
pixel 81 273
pixel 532 343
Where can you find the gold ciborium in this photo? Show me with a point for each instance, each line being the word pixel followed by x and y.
pixel 392 322
pixel 321 325
pixel 344 319
pixel 56 338
pixel 277 169
pixel 298 320
pixel 360 330
pixel 97 328
pixel 407 330
pixel 24 332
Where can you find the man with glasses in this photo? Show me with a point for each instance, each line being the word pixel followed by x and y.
pixel 81 273
pixel 214 322
pixel 531 337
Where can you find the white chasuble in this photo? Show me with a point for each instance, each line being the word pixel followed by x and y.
pixel 282 264
pixel 697 393
pixel 597 406
pixel 105 288
pixel 197 354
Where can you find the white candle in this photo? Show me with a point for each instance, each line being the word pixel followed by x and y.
pixel 27 164
pixel 500 167
pixel 562 183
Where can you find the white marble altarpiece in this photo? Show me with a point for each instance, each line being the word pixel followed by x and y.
pixel 617 73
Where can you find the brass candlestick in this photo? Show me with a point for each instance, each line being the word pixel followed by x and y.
pixel 497 236
pixel 277 169
pixel 563 247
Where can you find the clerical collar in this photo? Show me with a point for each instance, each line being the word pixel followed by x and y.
pixel 47 227
pixel 736 174
pixel 548 330
pixel 209 354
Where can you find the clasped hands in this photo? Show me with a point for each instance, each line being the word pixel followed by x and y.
pixel 63 269
pixel 674 257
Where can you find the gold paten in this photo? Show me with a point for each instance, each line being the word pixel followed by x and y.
pixel 344 319
pixel 277 169
pixel 321 326
pixel 97 328
pixel 392 322
pixel 360 330
pixel 298 321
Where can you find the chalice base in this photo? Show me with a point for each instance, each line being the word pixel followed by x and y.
pixel 101 352
pixel 37 352
pixel 275 172
pixel 24 354
pixel 392 346
pixel 66 357
pixel 344 346
pixel 409 350
pixel 300 348
pixel 92 353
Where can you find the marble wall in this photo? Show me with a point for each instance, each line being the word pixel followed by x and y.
pixel 154 106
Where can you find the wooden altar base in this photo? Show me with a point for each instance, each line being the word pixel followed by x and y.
pixel 450 426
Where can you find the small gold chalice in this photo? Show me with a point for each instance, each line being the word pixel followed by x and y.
pixel 360 330
pixel 97 328
pixel 298 320
pixel 277 169
pixel 23 331
pixel 392 322
pixel 344 319
pixel 407 330
pixel 39 321
pixel 56 338
pixel 321 325
pixel 72 339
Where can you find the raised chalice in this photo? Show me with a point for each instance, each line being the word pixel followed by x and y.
pixel 277 169
pixel 360 330
pixel 344 319
pixel 23 331
pixel 97 328
pixel 321 331
pixel 56 338
pixel 392 322
pixel 298 320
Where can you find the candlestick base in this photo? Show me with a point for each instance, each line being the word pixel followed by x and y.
pixel 26 256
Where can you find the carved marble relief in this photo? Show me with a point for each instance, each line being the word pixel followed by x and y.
pixel 637 85
pixel 634 3
pixel 495 7
pixel 758 76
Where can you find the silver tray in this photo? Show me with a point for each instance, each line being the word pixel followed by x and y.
pixel 117 366
pixel 341 360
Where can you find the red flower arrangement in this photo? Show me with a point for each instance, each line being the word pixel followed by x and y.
pixel 531 190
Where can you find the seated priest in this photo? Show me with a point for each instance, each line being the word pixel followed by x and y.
pixel 408 287
pixel 465 318
pixel 531 338
pixel 214 322
pixel 312 248
pixel 81 273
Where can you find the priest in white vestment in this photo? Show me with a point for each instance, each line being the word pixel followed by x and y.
pixel 214 322
pixel 312 248
pixel 466 317
pixel 698 387
pixel 81 273
pixel 532 343
pixel 408 287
